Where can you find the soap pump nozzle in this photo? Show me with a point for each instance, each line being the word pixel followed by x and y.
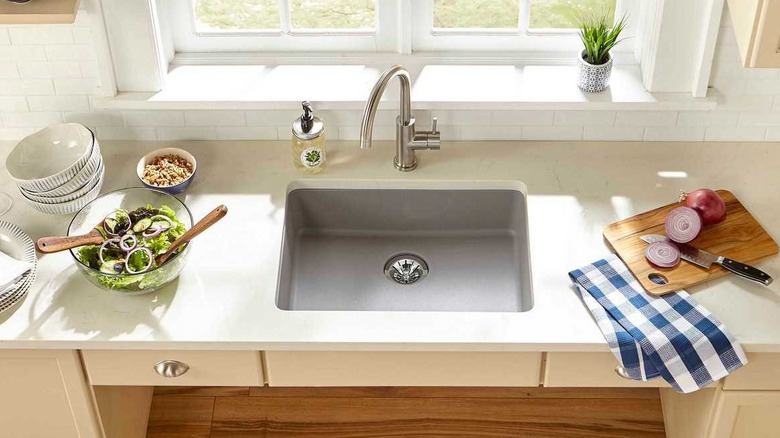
pixel 307 118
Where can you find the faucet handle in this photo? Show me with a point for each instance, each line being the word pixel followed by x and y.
pixel 434 122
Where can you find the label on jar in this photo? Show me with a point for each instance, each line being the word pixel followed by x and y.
pixel 312 157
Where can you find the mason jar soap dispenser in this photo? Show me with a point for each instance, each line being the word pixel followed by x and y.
pixel 308 141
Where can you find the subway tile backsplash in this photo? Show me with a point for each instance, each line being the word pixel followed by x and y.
pixel 49 73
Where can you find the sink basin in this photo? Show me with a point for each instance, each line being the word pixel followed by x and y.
pixel 405 246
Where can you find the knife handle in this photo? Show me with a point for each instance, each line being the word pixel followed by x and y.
pixel 746 271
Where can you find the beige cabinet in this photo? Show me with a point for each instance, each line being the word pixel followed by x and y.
pixel 757 26
pixel 589 370
pixel 747 414
pixel 762 373
pixel 196 368
pixel 358 368
pixel 39 12
pixel 43 394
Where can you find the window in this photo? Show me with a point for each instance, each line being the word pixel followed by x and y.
pixel 284 25
pixel 547 26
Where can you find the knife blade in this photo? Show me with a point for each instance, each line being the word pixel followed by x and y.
pixel 705 259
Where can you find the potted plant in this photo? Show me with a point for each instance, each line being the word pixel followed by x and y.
pixel 595 62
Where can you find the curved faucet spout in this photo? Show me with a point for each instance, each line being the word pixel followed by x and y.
pixel 367 124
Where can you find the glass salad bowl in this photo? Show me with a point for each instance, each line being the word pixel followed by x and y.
pixel 124 283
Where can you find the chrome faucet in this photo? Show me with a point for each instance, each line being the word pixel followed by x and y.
pixel 407 140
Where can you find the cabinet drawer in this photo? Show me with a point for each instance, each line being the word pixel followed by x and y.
pixel 589 370
pixel 298 368
pixel 206 368
pixel 761 373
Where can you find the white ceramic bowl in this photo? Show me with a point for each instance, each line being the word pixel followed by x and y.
pixel 70 206
pixel 50 157
pixel 81 191
pixel 88 173
pixel 174 189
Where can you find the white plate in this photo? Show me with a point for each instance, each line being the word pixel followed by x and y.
pixel 17 244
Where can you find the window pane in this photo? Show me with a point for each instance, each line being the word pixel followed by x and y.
pixel 476 13
pixel 236 14
pixel 561 14
pixel 332 14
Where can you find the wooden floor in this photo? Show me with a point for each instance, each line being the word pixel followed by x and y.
pixel 404 412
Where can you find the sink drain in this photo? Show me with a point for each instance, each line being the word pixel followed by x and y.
pixel 406 268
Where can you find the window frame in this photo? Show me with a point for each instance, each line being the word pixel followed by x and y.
pixel 133 45
pixel 402 26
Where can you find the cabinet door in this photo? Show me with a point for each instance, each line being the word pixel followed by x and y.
pixel 747 414
pixel 43 394
pixel 757 27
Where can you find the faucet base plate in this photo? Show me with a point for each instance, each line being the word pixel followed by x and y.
pixel 406 168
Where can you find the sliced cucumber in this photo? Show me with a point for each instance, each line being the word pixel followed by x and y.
pixel 142 225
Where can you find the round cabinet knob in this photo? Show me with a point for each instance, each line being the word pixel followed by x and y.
pixel 171 368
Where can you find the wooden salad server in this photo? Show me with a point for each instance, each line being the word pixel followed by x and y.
pixel 48 245
pixel 201 226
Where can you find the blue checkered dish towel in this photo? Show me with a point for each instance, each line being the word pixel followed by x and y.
pixel 671 336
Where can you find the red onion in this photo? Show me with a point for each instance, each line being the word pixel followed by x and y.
pixel 663 254
pixel 153 231
pixel 683 224
pixel 103 247
pixel 707 203
pixel 149 255
pixel 115 232
pixel 166 219
pixel 127 247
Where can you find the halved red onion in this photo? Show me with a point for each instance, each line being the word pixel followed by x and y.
pixel 126 246
pixel 683 224
pixel 166 219
pixel 103 247
pixel 149 255
pixel 663 254
pixel 153 231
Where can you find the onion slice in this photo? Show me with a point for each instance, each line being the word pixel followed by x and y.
pixel 663 254
pixel 153 231
pixel 111 217
pixel 149 255
pixel 127 247
pixel 163 218
pixel 683 224
pixel 103 247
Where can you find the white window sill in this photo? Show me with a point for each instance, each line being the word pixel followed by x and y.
pixel 446 87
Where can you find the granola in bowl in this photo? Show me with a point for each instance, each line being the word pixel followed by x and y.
pixel 169 169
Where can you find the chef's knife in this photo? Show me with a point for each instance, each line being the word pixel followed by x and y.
pixel 705 260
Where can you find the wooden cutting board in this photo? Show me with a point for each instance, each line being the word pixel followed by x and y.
pixel 739 237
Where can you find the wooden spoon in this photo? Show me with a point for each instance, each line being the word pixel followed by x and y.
pixel 201 226
pixel 48 245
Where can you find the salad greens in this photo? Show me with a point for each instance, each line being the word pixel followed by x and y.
pixel 132 241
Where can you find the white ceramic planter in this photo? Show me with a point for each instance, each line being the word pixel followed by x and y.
pixel 593 78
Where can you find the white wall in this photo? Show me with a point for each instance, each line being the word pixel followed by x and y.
pixel 48 75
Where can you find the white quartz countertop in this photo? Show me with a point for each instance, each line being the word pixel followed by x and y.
pixel 225 297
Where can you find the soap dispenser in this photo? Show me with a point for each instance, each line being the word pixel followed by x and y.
pixel 308 141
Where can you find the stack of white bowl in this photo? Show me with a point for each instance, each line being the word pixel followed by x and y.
pixel 59 169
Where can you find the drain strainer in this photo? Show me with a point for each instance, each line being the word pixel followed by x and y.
pixel 406 268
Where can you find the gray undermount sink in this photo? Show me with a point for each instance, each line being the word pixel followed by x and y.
pixel 402 246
